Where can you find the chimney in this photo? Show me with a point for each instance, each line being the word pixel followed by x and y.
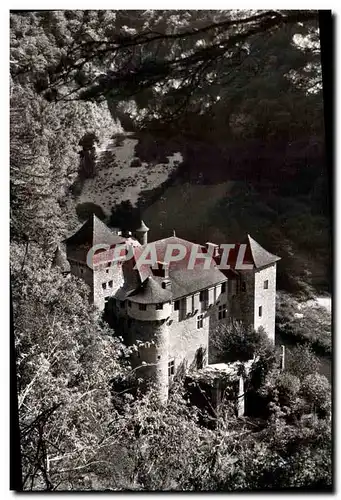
pixel 164 267
pixel 213 249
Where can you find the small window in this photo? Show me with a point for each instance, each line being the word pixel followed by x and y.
pixel 104 286
pixel 266 284
pixel 203 295
pixel 110 284
pixel 200 321
pixel 223 288
pixel 82 270
pixel 260 311
pixel 171 367
pixel 142 307
pixel 159 306
pixel 107 271
pixel 176 305
pixel 222 311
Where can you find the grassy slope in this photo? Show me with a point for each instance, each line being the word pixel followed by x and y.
pixel 117 180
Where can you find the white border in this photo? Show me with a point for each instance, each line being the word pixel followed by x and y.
pixel 4 185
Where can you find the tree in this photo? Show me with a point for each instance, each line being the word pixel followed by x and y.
pixel 237 342
pixel 164 60
pixel 65 359
pixel 301 361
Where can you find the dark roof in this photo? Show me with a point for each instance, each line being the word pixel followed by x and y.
pixel 186 281
pixel 150 292
pixel 94 232
pixel 260 256
pixel 143 228
pixel 252 253
pixel 60 260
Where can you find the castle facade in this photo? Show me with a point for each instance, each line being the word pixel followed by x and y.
pixel 167 302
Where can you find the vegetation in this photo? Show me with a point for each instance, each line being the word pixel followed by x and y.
pixel 232 80
pixel 304 323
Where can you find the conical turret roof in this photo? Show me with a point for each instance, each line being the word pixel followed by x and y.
pixel 150 292
pixel 260 256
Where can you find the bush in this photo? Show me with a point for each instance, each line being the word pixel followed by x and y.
pixel 305 323
pixel 236 342
pixel 301 361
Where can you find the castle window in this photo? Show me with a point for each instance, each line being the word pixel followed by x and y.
pixel 200 321
pixel 176 305
pixel 266 284
pixel 203 296
pixel 104 286
pixel 142 307
pixel 107 270
pixel 82 270
pixel 222 311
pixel 223 287
pixel 260 311
pixel 159 306
pixel 171 367
pixel 110 283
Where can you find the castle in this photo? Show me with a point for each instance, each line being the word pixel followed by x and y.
pixel 171 306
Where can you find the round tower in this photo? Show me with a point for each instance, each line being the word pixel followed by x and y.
pixel 142 233
pixel 149 309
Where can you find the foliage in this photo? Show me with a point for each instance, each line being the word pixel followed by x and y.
pixel 237 342
pixel 301 361
pixel 166 448
pixel 308 323
pixel 65 360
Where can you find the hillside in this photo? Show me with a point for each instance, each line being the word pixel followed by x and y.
pixel 120 175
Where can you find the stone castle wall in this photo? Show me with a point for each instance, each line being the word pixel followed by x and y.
pixel 266 299
pixel 108 278
pixel 242 301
